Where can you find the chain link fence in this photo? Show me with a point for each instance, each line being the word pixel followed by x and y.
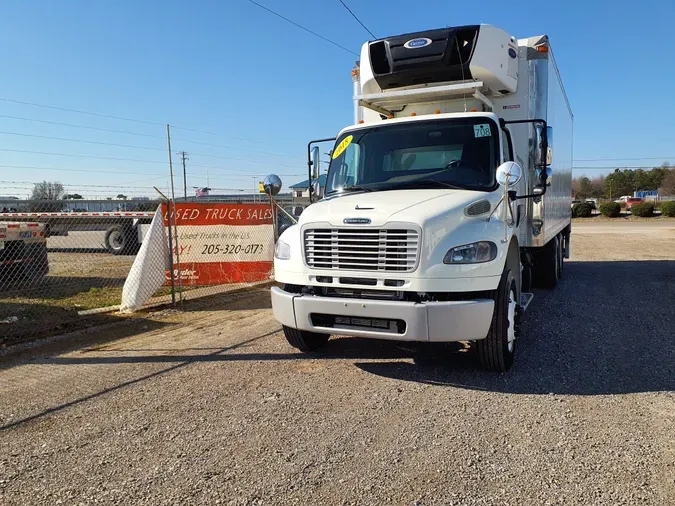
pixel 61 264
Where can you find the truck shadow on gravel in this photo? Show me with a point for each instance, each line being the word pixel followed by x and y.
pixel 607 328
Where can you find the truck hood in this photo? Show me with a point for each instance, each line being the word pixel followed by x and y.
pixel 412 206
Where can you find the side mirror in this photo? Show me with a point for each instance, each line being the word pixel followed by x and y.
pixel 272 185
pixel 510 171
pixel 316 162
pixel 317 191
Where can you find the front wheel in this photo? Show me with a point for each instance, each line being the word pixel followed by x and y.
pixel 304 340
pixel 496 351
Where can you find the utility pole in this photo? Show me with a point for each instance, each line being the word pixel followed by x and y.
pixel 184 158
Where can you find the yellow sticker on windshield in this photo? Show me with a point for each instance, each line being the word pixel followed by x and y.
pixel 342 146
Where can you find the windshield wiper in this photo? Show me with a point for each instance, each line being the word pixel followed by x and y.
pixel 428 182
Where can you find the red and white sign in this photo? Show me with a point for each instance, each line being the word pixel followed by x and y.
pixel 222 243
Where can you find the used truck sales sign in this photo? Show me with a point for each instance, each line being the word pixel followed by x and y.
pixel 222 243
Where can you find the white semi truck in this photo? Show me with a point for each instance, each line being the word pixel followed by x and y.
pixel 445 202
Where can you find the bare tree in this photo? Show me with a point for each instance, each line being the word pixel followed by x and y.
pixel 49 191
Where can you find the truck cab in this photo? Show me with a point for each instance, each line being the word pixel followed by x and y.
pixel 443 203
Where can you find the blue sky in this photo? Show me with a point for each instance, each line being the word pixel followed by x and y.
pixel 267 87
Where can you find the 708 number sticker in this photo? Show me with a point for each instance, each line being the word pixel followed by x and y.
pixel 482 130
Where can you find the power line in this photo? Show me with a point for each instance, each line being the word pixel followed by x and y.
pixel 77 111
pixel 80 185
pixel 74 155
pixel 205 155
pixel 87 127
pixel 121 118
pixel 60 169
pixel 75 188
pixel 127 132
pixel 221 171
pixel 81 112
pixel 621 159
pixel 240 149
pixel 357 19
pixel 131 159
pixel 98 143
pixel 302 27
pixel 196 130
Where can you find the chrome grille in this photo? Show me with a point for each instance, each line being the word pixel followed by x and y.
pixel 362 249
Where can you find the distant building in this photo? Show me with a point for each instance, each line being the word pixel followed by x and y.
pixel 300 190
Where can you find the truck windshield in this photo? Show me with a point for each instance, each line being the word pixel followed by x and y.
pixel 456 153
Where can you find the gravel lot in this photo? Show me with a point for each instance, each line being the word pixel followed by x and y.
pixel 213 407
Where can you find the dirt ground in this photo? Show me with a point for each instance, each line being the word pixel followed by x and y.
pixel 213 407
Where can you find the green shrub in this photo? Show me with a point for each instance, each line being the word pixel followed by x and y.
pixel 582 210
pixel 668 208
pixel 610 209
pixel 644 210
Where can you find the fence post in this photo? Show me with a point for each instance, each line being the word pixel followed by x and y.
pixel 175 225
pixel 168 219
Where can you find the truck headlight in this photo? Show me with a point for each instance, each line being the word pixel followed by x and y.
pixel 282 251
pixel 474 253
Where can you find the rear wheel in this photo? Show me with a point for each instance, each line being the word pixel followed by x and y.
pixel 304 340
pixel 121 240
pixel 496 351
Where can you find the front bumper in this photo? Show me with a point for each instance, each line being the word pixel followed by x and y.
pixel 430 321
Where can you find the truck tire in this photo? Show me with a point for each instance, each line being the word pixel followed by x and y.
pixel 547 265
pixel 305 341
pixel 496 351
pixel 121 240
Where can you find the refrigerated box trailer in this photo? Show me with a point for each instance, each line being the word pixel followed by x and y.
pixel 446 200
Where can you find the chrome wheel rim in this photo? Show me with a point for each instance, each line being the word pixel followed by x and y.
pixel 115 239
pixel 511 315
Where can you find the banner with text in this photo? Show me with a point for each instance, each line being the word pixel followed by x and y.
pixel 222 243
